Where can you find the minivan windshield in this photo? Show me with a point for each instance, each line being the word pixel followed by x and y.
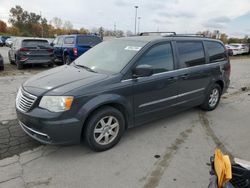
pixel 110 56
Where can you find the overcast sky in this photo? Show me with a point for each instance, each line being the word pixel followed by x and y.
pixel 182 16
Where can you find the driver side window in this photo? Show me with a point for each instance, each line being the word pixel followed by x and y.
pixel 160 57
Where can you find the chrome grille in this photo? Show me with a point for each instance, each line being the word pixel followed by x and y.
pixel 24 100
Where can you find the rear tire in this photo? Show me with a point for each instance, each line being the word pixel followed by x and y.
pixel 104 129
pixel 212 98
pixel 66 60
pixel 19 64
pixel 11 61
pixel 51 65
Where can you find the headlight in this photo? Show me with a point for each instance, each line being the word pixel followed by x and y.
pixel 56 103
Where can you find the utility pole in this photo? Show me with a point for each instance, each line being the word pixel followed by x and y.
pixel 136 7
pixel 139 18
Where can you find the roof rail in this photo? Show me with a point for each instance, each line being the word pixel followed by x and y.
pixel 148 33
pixel 188 35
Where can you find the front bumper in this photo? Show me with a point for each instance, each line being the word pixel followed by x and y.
pixel 48 129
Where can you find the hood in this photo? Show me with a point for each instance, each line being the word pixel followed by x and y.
pixel 60 80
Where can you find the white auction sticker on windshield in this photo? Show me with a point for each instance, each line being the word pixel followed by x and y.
pixel 134 48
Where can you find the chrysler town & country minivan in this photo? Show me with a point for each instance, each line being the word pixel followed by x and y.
pixel 120 84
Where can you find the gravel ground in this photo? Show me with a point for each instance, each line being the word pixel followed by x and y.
pixel 11 70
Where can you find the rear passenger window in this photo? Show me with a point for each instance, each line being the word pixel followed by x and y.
pixel 216 51
pixel 191 54
pixel 160 57
pixel 69 40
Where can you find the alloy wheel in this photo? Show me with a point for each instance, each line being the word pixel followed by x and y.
pixel 106 130
pixel 214 97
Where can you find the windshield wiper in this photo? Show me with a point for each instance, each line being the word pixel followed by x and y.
pixel 85 67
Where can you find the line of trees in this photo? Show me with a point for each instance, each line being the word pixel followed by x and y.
pixel 224 37
pixel 24 23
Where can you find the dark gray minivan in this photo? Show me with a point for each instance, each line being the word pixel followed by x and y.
pixel 120 84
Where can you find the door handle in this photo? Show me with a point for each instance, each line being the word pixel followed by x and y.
pixel 185 76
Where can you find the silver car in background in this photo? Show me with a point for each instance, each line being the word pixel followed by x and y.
pixel 9 41
pixel 239 48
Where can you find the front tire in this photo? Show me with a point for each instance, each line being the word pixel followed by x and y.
pixel 212 98
pixel 104 129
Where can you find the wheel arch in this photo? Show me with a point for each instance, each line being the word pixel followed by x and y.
pixel 221 84
pixel 113 100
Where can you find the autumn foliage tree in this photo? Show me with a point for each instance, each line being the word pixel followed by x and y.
pixel 26 23
pixel 3 26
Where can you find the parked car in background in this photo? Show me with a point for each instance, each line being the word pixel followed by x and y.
pixel 248 44
pixel 232 50
pixel 1 63
pixel 30 51
pixel 50 40
pixel 120 84
pixel 240 48
pixel 9 42
pixel 1 43
pixel 3 39
pixel 69 47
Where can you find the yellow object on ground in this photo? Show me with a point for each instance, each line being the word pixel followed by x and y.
pixel 223 168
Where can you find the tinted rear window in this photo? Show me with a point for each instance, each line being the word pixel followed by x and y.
pixel 35 43
pixel 88 40
pixel 216 51
pixel 191 53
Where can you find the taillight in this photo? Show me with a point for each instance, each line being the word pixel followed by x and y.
pixel 23 58
pixel 75 51
pixel 50 50
pixel 24 49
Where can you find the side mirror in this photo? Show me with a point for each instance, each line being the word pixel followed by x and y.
pixel 143 71
pixel 52 44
